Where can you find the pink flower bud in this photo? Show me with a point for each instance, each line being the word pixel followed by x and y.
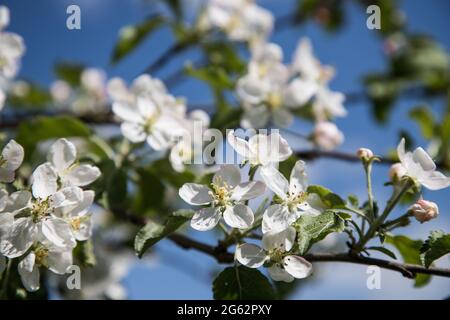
pixel 327 136
pixel 364 153
pixel 397 172
pixel 424 210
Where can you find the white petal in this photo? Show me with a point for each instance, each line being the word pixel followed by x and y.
pixel 21 236
pixel 280 149
pixel 196 194
pixel 250 255
pixel 29 273
pixel 299 179
pixel 58 232
pixel 6 222
pixel 275 181
pixel 3 199
pixel 420 156
pixel 158 140
pixel 84 231
pixel 283 240
pixel 205 219
pixel 62 154
pixel 18 201
pixel 84 205
pixel 279 274
pixel 239 145
pixel 228 175
pixel 314 205
pixel 13 154
pixel 146 107
pixel 255 117
pixel 299 92
pixel 297 267
pixel 250 89
pixel 282 118
pixel 277 218
pixel 6 175
pixel 44 181
pixel 127 112
pixel 59 261
pixel 248 190
pixel 434 180
pixel 82 175
pixel 401 151
pixel 239 216
pixel 133 131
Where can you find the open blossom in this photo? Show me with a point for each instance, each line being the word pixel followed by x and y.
pixel 424 210
pixel 43 254
pixel 326 135
pixel 420 167
pixel 267 92
pixel 10 160
pixel 261 149
pixel 275 252
pixel 293 199
pixel 241 20
pixel 224 198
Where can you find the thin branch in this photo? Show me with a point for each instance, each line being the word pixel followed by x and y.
pixel 338 155
pixel 165 57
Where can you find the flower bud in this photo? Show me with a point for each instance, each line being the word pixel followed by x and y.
pixel 424 210
pixel 364 153
pixel 397 172
pixel 327 136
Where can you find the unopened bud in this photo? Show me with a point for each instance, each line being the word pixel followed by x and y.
pixel 397 172
pixel 424 210
pixel 326 135
pixel 364 153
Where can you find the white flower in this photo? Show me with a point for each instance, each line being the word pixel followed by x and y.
pixel 328 104
pixel 327 136
pixel 241 20
pixel 12 48
pixel 261 149
pixel 420 167
pixel 60 91
pixel 46 255
pixel 424 210
pixel 275 252
pixel 396 172
pixel 225 199
pixel 62 156
pixel 267 92
pixel 10 160
pixel 293 200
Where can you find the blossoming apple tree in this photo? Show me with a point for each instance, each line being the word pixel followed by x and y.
pixel 67 184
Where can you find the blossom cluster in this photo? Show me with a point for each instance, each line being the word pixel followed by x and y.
pixel 150 114
pixel 271 92
pixel 12 49
pixel 41 228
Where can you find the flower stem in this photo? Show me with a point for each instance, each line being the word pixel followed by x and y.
pixel 392 202
pixel 368 170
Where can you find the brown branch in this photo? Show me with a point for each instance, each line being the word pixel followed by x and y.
pixel 338 155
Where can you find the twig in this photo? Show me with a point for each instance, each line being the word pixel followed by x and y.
pixel 165 57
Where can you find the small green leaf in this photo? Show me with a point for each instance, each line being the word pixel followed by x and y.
pixel 410 251
pixel 425 119
pixel 354 201
pixel 153 232
pixel 330 199
pixel 311 229
pixel 132 36
pixel 242 283
pixel 85 252
pixel 383 250
pixel 436 246
pixel 70 72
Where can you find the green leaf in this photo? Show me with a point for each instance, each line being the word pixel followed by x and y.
pixel 425 119
pixel 40 129
pixel 84 251
pixel 436 246
pixel 153 232
pixel 410 251
pixel 131 37
pixel 31 96
pixel 383 250
pixel 354 201
pixel 330 199
pixel 242 283
pixel 162 168
pixel 311 229
pixel 117 189
pixel 69 72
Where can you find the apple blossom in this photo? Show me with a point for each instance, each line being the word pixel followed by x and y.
pixel 293 199
pixel 420 167
pixel 10 160
pixel 396 172
pixel 424 210
pixel 327 136
pixel 364 153
pixel 261 149
pixel 275 253
pixel 224 198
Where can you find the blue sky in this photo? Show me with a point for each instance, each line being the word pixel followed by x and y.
pixel 354 51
